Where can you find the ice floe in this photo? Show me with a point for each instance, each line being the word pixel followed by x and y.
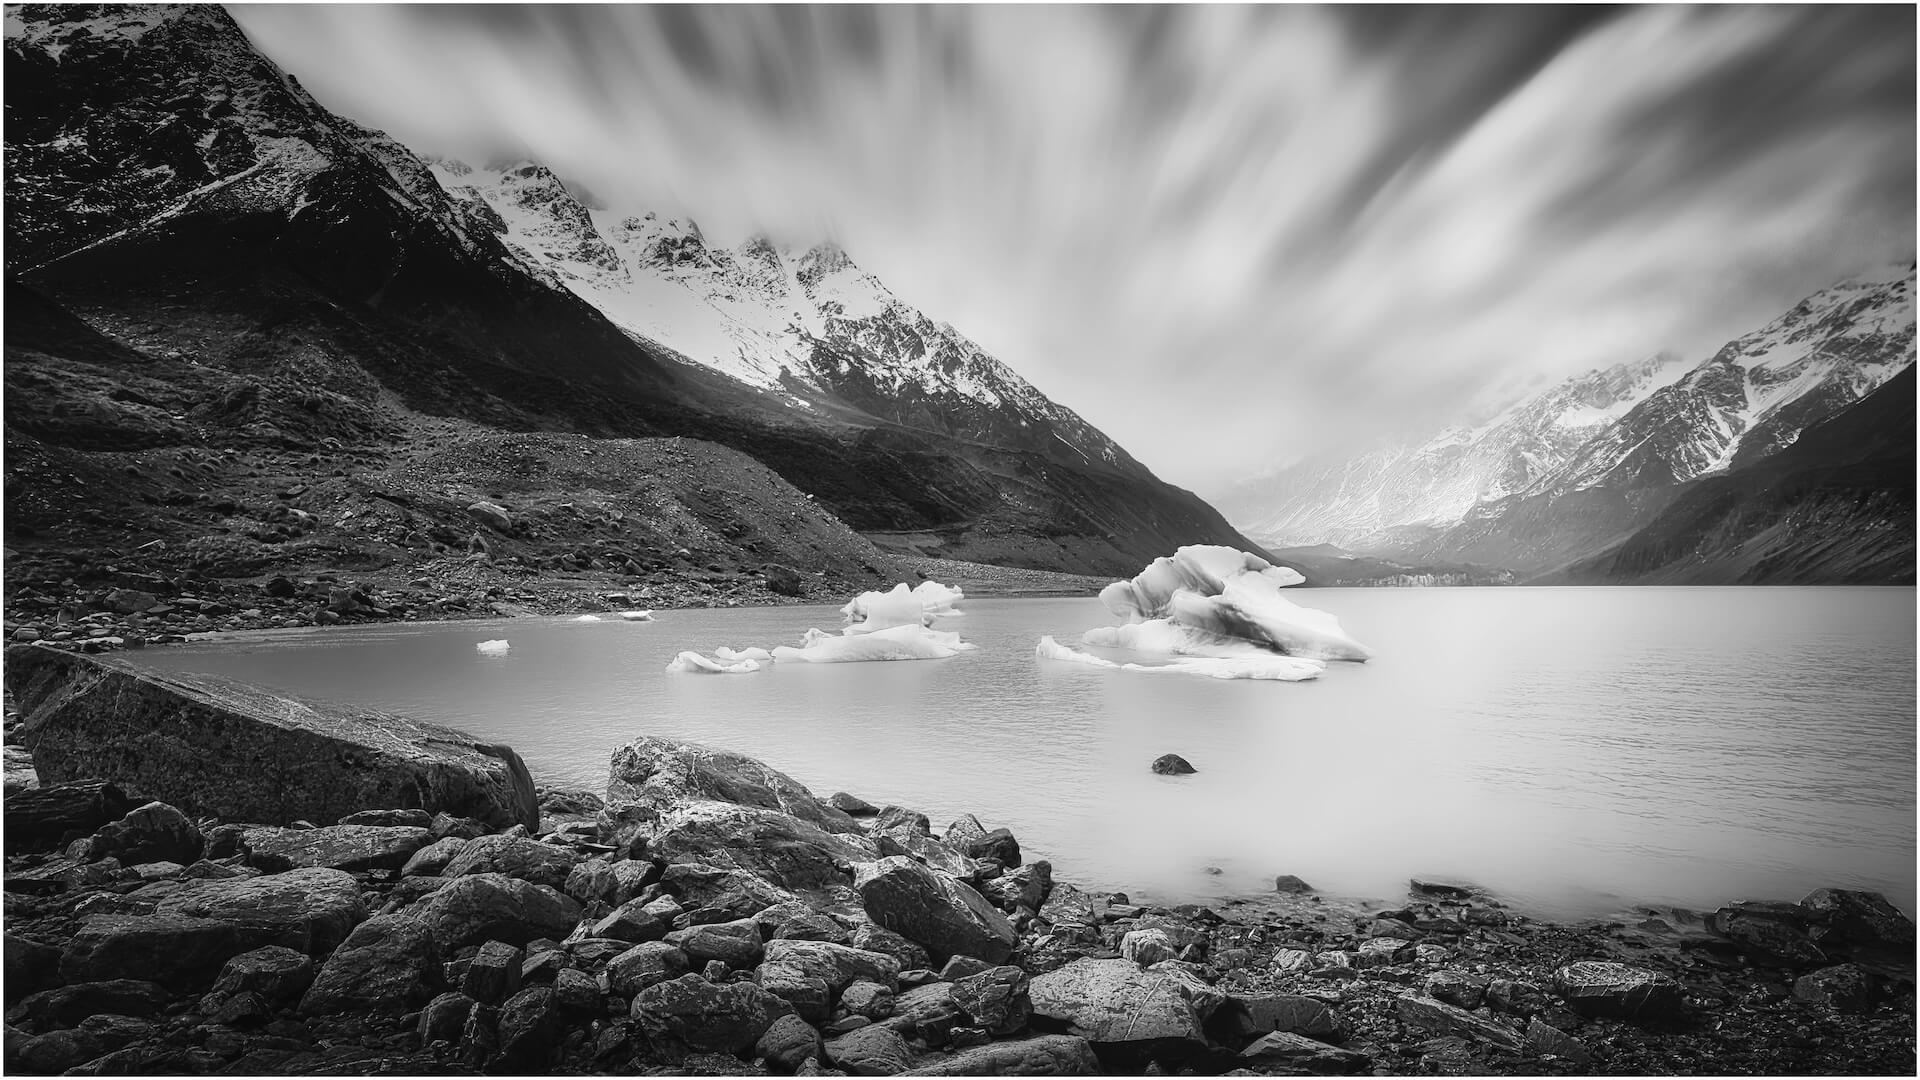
pixel 696 664
pixel 1254 664
pixel 494 648
pixel 881 626
pixel 636 616
pixel 901 606
pixel 909 642
pixel 585 618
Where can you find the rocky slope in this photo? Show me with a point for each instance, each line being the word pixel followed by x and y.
pixel 712 916
pixel 1834 506
pixel 1593 460
pixel 216 263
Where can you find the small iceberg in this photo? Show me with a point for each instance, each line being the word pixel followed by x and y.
pixel 910 642
pixel 1049 649
pixel 493 648
pixel 750 653
pixel 918 606
pixel 636 616
pixel 585 618
pixel 694 663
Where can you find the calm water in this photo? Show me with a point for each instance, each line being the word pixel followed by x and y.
pixel 1577 749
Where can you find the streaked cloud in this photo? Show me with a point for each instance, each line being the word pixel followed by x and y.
pixel 1229 236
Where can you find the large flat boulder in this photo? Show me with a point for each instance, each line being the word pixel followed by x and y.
pixel 651 775
pixel 311 910
pixel 779 847
pixel 1114 1001
pixel 1042 1055
pixel 931 909
pixel 212 746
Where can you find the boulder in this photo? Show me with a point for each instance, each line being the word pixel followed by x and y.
pixel 176 950
pixel 444 1018
pixel 931 909
pixel 275 972
pixel 1846 988
pixel 995 999
pixel 779 847
pixel 432 860
pixel 1852 920
pixel 852 805
pixel 65 1006
pixel 212 746
pixel 870 1051
pixel 483 907
pixel 1114 1001
pixel 50 817
pixel 650 775
pixel 870 938
pixel 31 966
pixel 493 975
pixel 1426 1014
pixel 390 964
pixel 351 848
pixel 1249 1016
pixel 899 819
pixel 631 921
pixel 576 992
pixel 492 515
pixel 1773 934
pixel 309 910
pixel 418 819
pixel 154 832
pixel 1023 888
pixel 867 999
pixel 788 1042
pixel 1457 988
pixel 805 989
pixel 998 846
pixel 1287 883
pixel 836 965
pixel 701 1015
pixel 1172 765
pixel 516 857
pixel 644 965
pixel 720 894
pixel 809 926
pixel 529 1022
pixel 1601 988
pixel 783 580
pixel 1042 1055
pixel 1544 1038
pixel 736 944
pixel 1148 947
pixel 1299 1052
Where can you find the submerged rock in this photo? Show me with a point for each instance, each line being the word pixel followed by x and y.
pixel 212 746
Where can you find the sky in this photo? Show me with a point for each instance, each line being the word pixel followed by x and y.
pixel 1230 237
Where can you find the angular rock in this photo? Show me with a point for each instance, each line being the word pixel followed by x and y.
pixel 788 1042
pixel 390 964
pixel 1113 1001
pixel 275 972
pixel 492 515
pixel 353 848
pixel 779 847
pixel 851 805
pixel 177 950
pixel 995 1000
pixel 493 975
pixel 1172 765
pixel 836 965
pixel 154 832
pixel 444 1018
pixel 1287 883
pixel 736 944
pixel 933 910
pixel 806 991
pixel 870 938
pixel 1600 988
pixel 870 1051
pixel 222 748
pixel 576 992
pixel 309 910
pixel 52 816
pixel 899 819
pixel 1298 1051
pixel 1249 1016
pixel 1544 1038
pixel 1148 947
pixel 1290 960
pixel 1846 988
pixel 1770 933
pixel 721 894
pixel 1854 919
pixel 1024 888
pixel 959 967
pixel 650 775
pixel 811 926
pixel 701 1015
pixel 57 1051
pixel 1457 988
pixel 515 857
pixel 1440 1018
pixel 65 1006
pixel 645 965
pixel 528 1024
pixel 31 966
pixel 631 922
pixel 432 860
pixel 1042 1055
pixel 483 907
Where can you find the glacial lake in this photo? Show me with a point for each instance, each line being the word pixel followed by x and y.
pixel 1578 751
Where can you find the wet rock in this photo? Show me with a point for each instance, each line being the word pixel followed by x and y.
pixel 933 910
pixel 1846 988
pixel 1042 1055
pixel 720 894
pixel 51 816
pixel 852 805
pixel 1516 996
pixel 515 857
pixel 645 965
pixel 65 1006
pixel 390 964
pixel 1172 765
pixel 995 1000
pixel 1383 951
pixel 154 832
pixel 927 1013
pixel 177 950
pixel 432 860
pixel 1599 988
pixel 275 972
pixel 1427 1014
pixel 701 1015
pixel 870 1051
pixel 310 910
pixel 1299 1052
pixel 736 943
pixel 836 965
pixel 1113 1001
pixel 493 975
pixel 959 967
pixel 788 1042
pixel 1287 883
pixel 217 747
pixel 483 907
pixel 353 848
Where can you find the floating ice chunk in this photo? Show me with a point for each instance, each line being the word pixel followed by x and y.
pixel 750 653
pixel 1049 649
pixel 585 618
pixel 910 642
pixel 938 599
pixel 636 616
pixel 900 606
pixel 1164 637
pixel 1281 668
pixel 696 664
pixel 1231 594
pixel 493 648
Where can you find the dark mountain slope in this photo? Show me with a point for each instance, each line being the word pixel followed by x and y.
pixel 1834 507
pixel 176 193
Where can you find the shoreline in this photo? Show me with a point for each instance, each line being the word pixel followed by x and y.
pixel 688 921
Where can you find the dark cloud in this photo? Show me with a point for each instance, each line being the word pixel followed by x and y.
pixel 1227 235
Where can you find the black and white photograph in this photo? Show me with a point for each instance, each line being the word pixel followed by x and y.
pixel 1012 539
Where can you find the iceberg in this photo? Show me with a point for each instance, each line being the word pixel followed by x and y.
pixel 1254 663
pixel 696 664
pixel 1233 595
pixel 1049 649
pixel 735 655
pixel 636 616
pixel 585 618
pixel 918 606
pixel 493 648
pixel 909 642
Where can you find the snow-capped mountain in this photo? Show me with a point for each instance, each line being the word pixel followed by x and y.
pixel 1559 474
pixel 809 325
pixel 1411 488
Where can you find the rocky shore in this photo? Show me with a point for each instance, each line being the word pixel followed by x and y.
pixel 205 878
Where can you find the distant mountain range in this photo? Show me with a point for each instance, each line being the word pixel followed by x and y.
pixel 1561 477
pixel 172 189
